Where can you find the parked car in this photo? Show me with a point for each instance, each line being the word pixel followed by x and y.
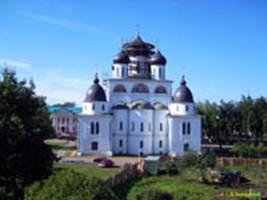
pixel 99 159
pixel 106 163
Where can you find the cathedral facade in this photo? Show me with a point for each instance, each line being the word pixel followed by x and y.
pixel 135 111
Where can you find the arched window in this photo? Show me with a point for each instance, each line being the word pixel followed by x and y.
pixel 103 107
pixel 141 144
pixel 160 90
pixel 160 127
pixel 97 128
pixel 122 72
pixel 92 127
pixel 186 147
pixel 121 125
pixel 140 88
pixel 142 127
pixel 188 128
pixel 184 128
pixel 121 143
pixel 119 88
pixel 186 108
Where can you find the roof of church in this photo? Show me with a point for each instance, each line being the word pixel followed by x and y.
pixel 158 58
pixel 183 94
pixel 121 57
pixel 95 92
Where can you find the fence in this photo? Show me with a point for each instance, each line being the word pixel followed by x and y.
pixel 223 161
pixel 129 171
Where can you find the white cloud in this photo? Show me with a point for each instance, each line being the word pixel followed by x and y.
pixel 64 23
pixel 15 64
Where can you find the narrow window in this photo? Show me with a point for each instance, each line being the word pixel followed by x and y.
pixel 97 128
pixel 188 128
pixel 160 144
pixel 122 72
pixel 186 108
pixel 141 144
pixel 133 126
pixel 186 147
pixel 92 127
pixel 121 143
pixel 160 126
pixel 93 106
pixel 94 146
pixel 160 73
pixel 184 127
pixel 103 107
pixel 121 126
pixel 142 127
pixel 117 72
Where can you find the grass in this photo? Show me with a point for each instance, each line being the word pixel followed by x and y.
pixel 88 170
pixel 185 185
pixel 55 145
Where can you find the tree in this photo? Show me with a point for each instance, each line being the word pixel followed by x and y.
pixel 24 124
pixel 70 185
pixel 264 127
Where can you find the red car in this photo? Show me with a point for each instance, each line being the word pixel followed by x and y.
pixel 106 163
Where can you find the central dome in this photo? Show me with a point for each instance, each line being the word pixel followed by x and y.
pixel 183 94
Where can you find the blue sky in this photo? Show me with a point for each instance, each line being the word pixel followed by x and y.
pixel 220 45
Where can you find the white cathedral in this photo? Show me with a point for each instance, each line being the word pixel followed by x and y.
pixel 134 112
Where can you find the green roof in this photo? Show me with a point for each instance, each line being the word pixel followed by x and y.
pixel 54 109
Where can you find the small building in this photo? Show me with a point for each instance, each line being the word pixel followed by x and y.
pixel 64 119
pixel 151 164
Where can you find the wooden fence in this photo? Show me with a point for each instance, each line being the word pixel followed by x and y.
pixel 223 161
pixel 128 172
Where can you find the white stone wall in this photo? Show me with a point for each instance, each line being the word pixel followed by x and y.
pixel 155 72
pixel 182 108
pixel 120 70
pixel 95 108
pixel 103 139
pixel 128 97
pixel 176 137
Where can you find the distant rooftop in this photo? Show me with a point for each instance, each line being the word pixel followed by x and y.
pixel 73 109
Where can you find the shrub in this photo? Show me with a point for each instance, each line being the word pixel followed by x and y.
pixel 154 193
pixel 168 167
pixel 190 159
pixel 69 185
pixel 206 160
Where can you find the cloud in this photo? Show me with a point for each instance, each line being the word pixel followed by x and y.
pixel 64 23
pixel 60 87
pixel 16 64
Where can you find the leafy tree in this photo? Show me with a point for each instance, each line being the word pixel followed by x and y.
pixel 70 185
pixel 264 127
pixel 24 124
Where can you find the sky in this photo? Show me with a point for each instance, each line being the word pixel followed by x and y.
pixel 220 45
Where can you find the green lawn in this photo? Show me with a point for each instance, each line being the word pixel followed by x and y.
pixel 55 145
pixel 88 170
pixel 186 185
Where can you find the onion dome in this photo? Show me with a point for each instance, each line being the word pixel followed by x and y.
pixel 95 92
pixel 183 93
pixel 157 59
pixel 138 47
pixel 121 57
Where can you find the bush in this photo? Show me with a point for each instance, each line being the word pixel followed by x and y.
pixel 168 167
pixel 69 185
pixel 154 194
pixel 190 159
pixel 249 151
pixel 207 160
